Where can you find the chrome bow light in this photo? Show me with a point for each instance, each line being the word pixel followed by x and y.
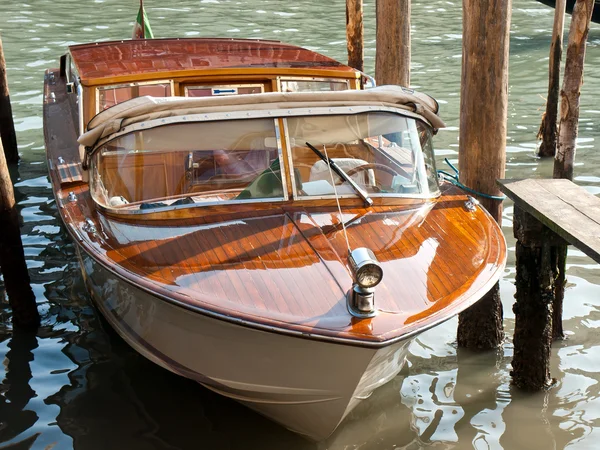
pixel 367 274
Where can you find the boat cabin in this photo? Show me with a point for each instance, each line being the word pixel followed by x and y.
pixel 196 136
pixel 108 73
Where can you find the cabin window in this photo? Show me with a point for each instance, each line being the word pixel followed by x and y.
pixel 233 89
pixel 111 95
pixel 313 85
pixel 190 163
pixel 384 153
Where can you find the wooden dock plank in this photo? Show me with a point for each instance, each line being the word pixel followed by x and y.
pixel 567 209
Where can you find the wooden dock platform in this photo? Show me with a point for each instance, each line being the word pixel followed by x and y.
pixel 565 208
pixel 549 213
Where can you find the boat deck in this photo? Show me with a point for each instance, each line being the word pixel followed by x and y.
pixel 147 58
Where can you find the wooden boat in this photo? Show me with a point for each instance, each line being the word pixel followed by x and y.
pixel 571 4
pixel 207 224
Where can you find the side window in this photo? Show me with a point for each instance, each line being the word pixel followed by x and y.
pixel 318 85
pixel 111 95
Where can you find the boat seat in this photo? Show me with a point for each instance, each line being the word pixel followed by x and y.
pixel 117 200
pixel 320 170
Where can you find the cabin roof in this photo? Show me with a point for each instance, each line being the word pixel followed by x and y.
pixel 122 59
pixel 146 108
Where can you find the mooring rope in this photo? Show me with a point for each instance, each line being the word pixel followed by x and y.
pixel 454 180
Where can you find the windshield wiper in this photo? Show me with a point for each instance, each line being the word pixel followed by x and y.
pixel 360 191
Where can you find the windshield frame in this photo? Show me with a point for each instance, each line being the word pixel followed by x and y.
pixel 295 195
pixel 284 151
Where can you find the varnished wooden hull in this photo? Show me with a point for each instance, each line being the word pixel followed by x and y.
pixel 307 386
pixel 251 299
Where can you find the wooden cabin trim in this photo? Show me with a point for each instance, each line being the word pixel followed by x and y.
pixel 216 73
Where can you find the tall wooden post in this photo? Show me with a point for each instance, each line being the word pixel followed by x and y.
pixel 549 127
pixel 355 34
pixel 571 89
pixel 569 123
pixel 7 125
pixel 12 257
pixel 392 61
pixel 482 137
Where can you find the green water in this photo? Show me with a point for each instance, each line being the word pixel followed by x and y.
pixel 77 385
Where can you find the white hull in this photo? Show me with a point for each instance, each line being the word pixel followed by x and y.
pixel 306 385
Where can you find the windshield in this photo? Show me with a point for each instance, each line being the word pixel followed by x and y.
pixel 183 163
pixel 383 153
pixel 189 163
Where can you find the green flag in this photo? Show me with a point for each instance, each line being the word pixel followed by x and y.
pixel 141 29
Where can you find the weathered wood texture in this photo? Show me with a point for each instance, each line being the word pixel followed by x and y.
pixel 483 115
pixel 559 269
pixel 549 127
pixel 12 257
pixel 567 209
pixel 355 34
pixel 392 60
pixel 7 126
pixel 533 306
pixel 571 89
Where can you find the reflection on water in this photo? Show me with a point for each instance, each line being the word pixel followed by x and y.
pixel 77 385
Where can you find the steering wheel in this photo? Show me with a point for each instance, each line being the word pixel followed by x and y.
pixel 377 166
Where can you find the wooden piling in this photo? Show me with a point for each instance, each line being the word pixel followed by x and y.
pixel 482 138
pixel 12 257
pixel 534 299
pixel 558 213
pixel 569 124
pixel 549 127
pixel 355 33
pixel 392 60
pixel 7 125
pixel 571 89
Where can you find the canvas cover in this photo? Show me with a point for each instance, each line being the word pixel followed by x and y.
pixel 149 108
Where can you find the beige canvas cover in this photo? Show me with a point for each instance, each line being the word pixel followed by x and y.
pixel 148 108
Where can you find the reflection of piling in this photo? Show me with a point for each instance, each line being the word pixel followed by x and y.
pixel 17 417
pixel 354 33
pixel 12 256
pixel 483 117
pixel 7 126
pixel 392 60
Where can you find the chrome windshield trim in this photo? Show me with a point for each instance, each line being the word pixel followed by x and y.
pixel 286 134
pixel 162 209
pixel 286 194
pixel 386 195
